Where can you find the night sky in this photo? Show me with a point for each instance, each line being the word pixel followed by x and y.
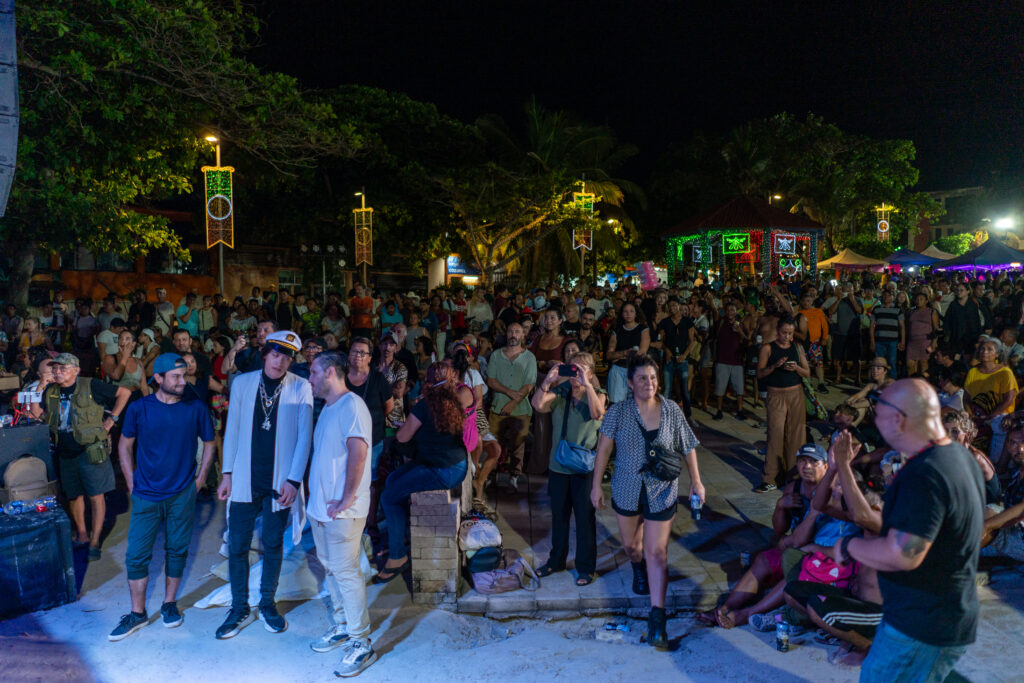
pixel 656 72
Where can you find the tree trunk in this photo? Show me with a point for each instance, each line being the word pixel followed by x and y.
pixel 21 272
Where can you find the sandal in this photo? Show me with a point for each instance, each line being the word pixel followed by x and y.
pixel 585 579
pixel 391 573
pixel 708 618
pixel 547 570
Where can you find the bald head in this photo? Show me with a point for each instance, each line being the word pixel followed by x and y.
pixel 921 420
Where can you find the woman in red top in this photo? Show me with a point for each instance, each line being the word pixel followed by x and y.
pixel 459 314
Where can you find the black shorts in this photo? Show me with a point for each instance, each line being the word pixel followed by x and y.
pixel 836 607
pixel 643 507
pixel 80 477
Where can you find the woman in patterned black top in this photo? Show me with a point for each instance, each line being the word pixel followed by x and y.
pixel 640 499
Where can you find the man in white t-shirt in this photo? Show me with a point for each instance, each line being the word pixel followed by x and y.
pixel 339 501
pixel 164 312
pixel 599 302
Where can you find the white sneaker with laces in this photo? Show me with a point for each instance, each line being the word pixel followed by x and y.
pixel 358 655
pixel 335 637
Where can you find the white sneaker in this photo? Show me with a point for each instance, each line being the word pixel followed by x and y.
pixel 359 654
pixel 513 483
pixel 335 637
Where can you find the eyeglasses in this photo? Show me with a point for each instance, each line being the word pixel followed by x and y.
pixel 359 353
pixel 877 398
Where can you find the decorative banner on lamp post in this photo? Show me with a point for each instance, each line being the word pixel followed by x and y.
pixel 363 220
pixel 220 208
pixel 783 243
pixel 882 214
pixel 583 239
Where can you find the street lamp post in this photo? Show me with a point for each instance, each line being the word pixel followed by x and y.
pixel 220 247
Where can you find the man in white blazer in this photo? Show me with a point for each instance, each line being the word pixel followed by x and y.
pixel 266 447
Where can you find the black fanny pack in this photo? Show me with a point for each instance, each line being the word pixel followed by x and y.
pixel 664 464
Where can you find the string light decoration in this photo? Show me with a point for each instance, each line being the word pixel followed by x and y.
pixel 736 242
pixel 790 266
pixel 882 214
pixel 784 243
pixel 220 209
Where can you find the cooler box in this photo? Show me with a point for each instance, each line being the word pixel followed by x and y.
pixel 37 568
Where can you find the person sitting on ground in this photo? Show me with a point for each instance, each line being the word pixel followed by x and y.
pixel 951 388
pixel 851 614
pixel 878 374
pixel 961 429
pixel 1004 531
pixel 441 463
pixel 992 389
pixel 766 570
pixel 577 406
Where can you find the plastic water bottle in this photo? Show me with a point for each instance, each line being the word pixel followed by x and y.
pixel 781 634
pixel 695 506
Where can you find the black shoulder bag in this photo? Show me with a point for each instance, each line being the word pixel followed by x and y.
pixel 664 464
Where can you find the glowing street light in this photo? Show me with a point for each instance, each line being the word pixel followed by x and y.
pixel 1005 223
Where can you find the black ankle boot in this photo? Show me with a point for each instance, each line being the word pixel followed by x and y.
pixel 657 635
pixel 640 586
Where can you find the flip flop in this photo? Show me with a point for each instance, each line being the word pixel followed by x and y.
pixel 585 579
pixel 394 572
pixel 723 618
pixel 707 618
pixel 546 570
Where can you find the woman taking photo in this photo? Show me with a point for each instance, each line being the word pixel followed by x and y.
pixel 437 423
pixel 548 350
pixel 629 337
pixel 577 403
pixel 645 505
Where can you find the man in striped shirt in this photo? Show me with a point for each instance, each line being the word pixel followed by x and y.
pixel 888 334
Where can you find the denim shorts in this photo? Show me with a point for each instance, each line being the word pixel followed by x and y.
pixel 895 656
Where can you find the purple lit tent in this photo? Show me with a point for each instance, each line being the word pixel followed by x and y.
pixel 989 255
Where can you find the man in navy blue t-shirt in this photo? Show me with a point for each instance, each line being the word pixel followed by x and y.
pixel 164 431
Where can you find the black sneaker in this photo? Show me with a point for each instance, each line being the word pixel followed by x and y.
pixel 741 415
pixel 765 488
pixel 172 617
pixel 272 620
pixel 822 389
pixel 236 621
pixel 129 624
pixel 717 416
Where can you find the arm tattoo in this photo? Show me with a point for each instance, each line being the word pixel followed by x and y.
pixel 910 545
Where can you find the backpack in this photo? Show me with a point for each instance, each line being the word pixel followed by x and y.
pixel 512 573
pixel 25 479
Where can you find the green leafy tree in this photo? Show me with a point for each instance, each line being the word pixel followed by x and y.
pixel 115 96
pixel 516 207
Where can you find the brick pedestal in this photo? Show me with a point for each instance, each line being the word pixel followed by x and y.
pixel 434 533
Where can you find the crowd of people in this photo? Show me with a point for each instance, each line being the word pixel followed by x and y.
pixel 359 401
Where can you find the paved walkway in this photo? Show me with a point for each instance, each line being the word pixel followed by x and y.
pixel 703 555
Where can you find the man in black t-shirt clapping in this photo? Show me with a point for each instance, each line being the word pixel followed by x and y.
pixel 927 552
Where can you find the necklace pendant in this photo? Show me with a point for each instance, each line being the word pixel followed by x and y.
pixel 266 424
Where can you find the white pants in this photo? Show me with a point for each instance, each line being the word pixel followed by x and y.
pixel 338 545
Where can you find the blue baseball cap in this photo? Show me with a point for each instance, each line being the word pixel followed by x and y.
pixel 166 362
pixel 813 450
